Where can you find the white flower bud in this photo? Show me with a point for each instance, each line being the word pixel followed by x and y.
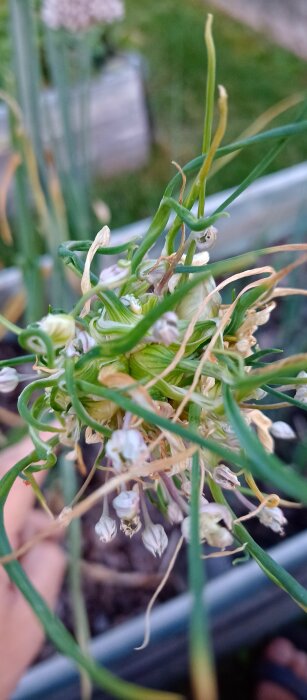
pixel 210 530
pixel 282 431
pixel 273 518
pixel 301 390
pixel 106 528
pixel 126 504
pixel 165 330
pixel 126 445
pixel 223 476
pixel 9 378
pixel 174 513
pixel 155 539
pixel 59 327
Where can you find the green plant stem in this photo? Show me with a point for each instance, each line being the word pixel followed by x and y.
pixel 81 624
pixel 201 659
pixel 209 104
pixel 274 571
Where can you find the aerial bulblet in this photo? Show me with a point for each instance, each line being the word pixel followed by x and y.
pixel 59 327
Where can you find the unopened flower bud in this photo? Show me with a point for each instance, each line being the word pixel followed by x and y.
pixel 174 513
pixel 155 539
pixel 126 504
pixel 165 330
pixel 273 518
pixel 126 446
pixel 282 431
pixel 223 476
pixel 301 390
pixel 59 327
pixel 106 528
pixel 9 379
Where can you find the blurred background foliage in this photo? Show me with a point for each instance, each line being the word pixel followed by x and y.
pixel 169 35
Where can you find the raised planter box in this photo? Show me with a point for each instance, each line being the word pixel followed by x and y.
pixel 244 606
pixel 273 208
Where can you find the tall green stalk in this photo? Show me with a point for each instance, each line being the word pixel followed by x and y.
pixel 201 659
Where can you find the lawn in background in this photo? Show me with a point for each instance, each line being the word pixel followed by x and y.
pixel 256 74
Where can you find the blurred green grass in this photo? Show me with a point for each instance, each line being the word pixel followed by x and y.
pixel 256 74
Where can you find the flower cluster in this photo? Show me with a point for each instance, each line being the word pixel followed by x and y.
pixel 116 341
pixel 79 15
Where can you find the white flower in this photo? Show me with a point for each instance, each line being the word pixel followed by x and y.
pixel 155 539
pixel 165 330
pixel 59 327
pixel 210 530
pixel 174 513
pixel 126 504
pixel 273 518
pixel 106 528
pixel 282 431
pixel 79 15
pixel 223 476
pixel 9 378
pixel 126 445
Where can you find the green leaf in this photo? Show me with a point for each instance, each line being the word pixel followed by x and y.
pixel 263 465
